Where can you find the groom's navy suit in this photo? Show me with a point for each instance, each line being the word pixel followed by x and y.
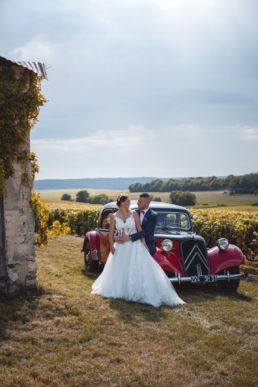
pixel 148 226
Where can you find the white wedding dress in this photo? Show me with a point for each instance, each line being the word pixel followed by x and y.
pixel 132 274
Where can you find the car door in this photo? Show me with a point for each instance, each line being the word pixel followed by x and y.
pixel 103 231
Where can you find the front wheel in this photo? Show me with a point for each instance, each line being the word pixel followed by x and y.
pixel 231 286
pixel 90 265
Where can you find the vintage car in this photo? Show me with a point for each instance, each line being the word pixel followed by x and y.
pixel 181 253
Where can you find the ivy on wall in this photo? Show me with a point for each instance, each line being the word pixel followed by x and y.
pixel 20 100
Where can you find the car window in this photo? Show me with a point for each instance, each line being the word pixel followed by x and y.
pixel 170 220
pixel 105 218
pixel 173 220
pixel 184 221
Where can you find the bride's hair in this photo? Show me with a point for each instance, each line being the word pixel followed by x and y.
pixel 121 198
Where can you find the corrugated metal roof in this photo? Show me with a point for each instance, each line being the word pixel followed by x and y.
pixel 37 67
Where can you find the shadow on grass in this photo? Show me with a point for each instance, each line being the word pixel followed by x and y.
pixel 128 311
pixel 195 294
pixel 92 274
pixel 21 309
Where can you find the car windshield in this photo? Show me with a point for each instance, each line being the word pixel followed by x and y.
pixel 167 220
pixel 172 220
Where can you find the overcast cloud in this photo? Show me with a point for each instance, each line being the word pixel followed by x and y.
pixel 162 88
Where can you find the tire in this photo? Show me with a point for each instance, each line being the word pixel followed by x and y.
pixel 89 266
pixel 232 286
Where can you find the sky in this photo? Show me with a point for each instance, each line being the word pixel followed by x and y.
pixel 164 88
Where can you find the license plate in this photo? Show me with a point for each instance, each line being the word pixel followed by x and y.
pixel 204 278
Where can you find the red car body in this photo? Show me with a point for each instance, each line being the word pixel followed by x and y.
pixel 188 259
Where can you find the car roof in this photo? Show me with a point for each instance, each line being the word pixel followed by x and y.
pixel 153 205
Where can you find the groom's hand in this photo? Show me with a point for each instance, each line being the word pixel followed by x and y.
pixel 126 238
pixel 118 239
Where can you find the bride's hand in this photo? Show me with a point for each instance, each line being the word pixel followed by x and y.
pixel 126 238
pixel 118 239
pixel 113 250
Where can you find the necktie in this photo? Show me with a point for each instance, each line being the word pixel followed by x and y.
pixel 142 216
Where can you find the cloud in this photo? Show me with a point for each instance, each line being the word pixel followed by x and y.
pixel 243 133
pixel 38 50
pixel 161 73
pixel 182 150
pixel 248 133
pixel 117 141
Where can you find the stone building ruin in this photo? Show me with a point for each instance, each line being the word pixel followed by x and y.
pixel 18 266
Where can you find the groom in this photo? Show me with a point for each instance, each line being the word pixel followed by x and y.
pixel 148 219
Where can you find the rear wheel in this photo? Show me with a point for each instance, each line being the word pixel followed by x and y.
pixel 90 265
pixel 231 286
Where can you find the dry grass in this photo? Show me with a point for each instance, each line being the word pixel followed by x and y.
pixel 55 195
pixel 214 199
pixel 61 335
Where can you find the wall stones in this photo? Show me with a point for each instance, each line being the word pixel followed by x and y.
pixel 19 231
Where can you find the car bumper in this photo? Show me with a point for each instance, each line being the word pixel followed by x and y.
pixel 206 278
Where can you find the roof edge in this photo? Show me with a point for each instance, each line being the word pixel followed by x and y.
pixel 36 67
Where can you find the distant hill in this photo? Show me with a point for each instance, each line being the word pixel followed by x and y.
pixel 118 183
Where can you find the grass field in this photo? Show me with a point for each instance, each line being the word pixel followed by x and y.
pixel 62 336
pixel 213 199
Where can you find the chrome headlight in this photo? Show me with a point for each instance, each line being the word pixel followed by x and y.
pixel 167 245
pixel 222 244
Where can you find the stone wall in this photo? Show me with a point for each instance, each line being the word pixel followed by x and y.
pixel 19 230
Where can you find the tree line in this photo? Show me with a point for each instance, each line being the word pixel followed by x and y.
pixel 84 197
pixel 245 184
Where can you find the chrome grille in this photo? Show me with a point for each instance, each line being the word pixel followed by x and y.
pixel 194 255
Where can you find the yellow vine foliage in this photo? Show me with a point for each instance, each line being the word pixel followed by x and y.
pixel 41 214
pixel 78 221
pixel 34 165
pixel 239 227
pixel 42 229
pixel 57 229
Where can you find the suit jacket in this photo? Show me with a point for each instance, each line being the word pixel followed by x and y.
pixel 148 226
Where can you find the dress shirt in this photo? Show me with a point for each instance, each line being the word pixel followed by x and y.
pixel 142 215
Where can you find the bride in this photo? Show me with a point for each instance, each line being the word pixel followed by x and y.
pixel 130 272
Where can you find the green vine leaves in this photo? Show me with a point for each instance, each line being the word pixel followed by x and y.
pixel 20 100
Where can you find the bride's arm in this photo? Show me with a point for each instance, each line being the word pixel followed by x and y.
pixel 138 225
pixel 111 234
pixel 137 221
